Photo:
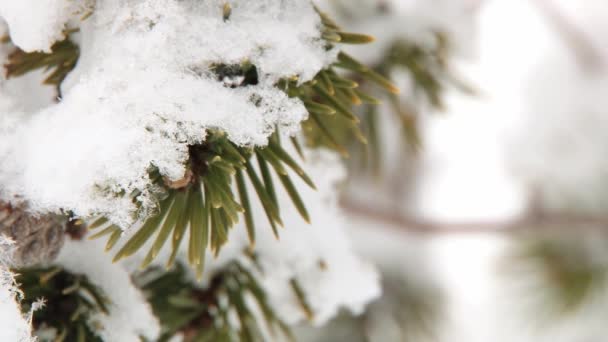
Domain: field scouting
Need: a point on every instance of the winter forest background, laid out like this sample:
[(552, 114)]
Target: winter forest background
[(473, 212), (508, 172)]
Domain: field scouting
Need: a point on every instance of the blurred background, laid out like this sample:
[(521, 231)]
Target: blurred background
[(481, 195)]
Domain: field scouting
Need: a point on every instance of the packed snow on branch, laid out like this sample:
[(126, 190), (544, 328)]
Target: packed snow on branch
[(37, 24), (130, 316), (144, 88)]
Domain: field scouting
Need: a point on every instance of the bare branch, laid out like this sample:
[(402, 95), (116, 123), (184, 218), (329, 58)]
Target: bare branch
[(588, 56), (544, 222)]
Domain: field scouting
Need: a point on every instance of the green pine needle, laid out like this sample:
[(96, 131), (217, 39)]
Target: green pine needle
[(70, 302), (565, 272), (245, 202), (301, 297), (60, 61), (208, 206), (354, 38), (202, 314)]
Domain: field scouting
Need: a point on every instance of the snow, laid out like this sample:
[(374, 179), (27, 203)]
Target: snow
[(345, 281), (36, 24), (130, 315), (14, 326), (143, 90)]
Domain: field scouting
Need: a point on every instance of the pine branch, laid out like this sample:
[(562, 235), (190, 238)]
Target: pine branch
[(205, 202), (563, 271), (330, 97), (206, 314), (431, 76), (70, 301), (59, 62), (555, 222)]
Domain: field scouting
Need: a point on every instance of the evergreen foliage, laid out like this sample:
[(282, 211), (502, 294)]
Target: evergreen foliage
[(205, 200), (58, 63), (565, 271), (233, 307), (431, 76), (210, 199), (69, 302)]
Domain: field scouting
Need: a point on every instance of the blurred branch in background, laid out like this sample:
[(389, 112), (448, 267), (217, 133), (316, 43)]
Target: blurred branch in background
[(408, 310), (556, 276), (417, 57), (588, 56), (557, 259), (531, 221), (423, 72)]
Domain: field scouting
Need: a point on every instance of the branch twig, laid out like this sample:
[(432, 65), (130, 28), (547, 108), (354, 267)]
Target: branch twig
[(588, 56), (536, 222)]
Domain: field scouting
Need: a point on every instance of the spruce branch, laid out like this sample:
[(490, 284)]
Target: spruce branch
[(331, 97), (207, 314), (564, 271), (213, 195), (207, 206), (431, 75), (205, 203), (70, 301), (59, 62)]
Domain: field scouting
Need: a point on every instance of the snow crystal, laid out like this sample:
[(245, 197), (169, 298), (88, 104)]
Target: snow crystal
[(130, 315), (144, 89), (14, 326)]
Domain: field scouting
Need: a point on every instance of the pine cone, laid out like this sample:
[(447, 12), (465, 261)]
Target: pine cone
[(38, 239)]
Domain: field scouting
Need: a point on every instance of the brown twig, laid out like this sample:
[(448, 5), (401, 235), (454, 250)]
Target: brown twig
[(588, 55), (537, 222)]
